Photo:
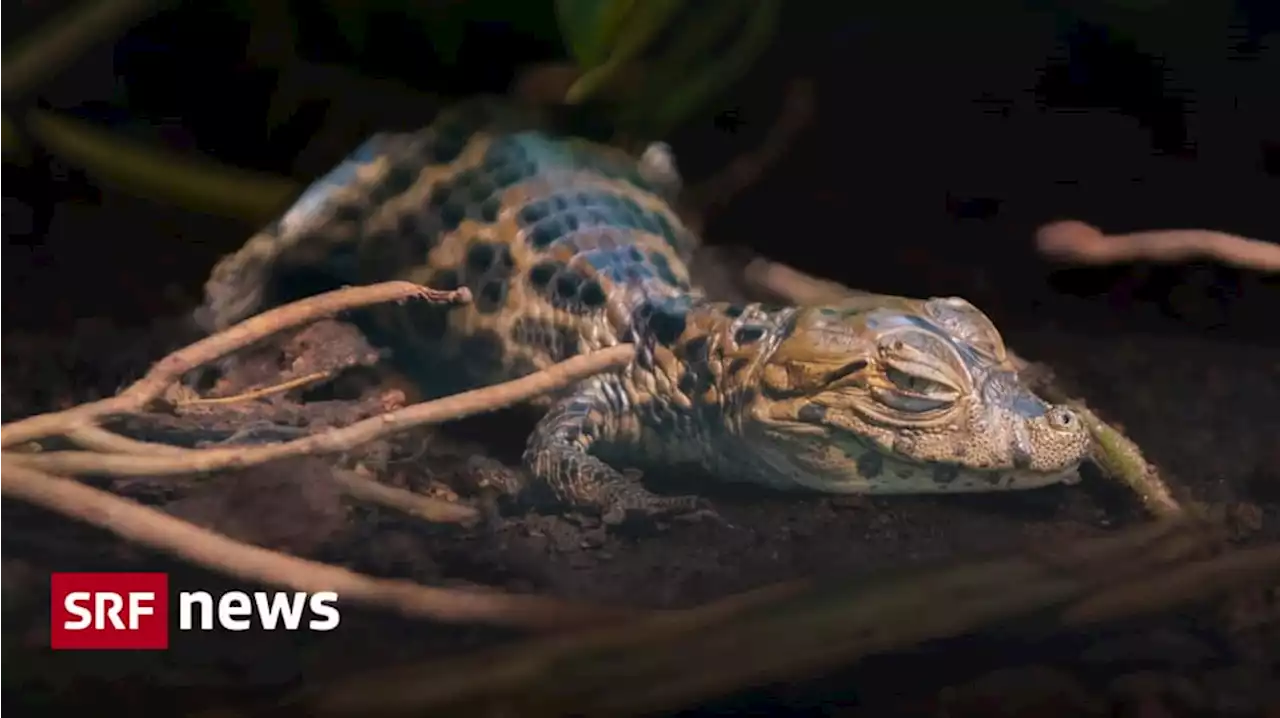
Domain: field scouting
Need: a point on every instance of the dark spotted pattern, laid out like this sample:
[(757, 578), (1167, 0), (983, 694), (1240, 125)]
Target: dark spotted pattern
[(475, 194), (663, 319), (541, 274), (591, 294), (628, 264), (620, 264), (560, 341), (491, 296), (566, 287), (446, 141), (688, 383), (430, 322), (446, 279), (546, 154), (944, 474), (870, 465), (812, 413), (665, 272), (694, 351), (594, 230), (1021, 459), (696, 380), (568, 229), (484, 352), (401, 174), (551, 219), (487, 271), (324, 205)]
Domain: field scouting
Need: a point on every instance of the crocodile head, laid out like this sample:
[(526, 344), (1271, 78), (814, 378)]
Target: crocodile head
[(893, 395)]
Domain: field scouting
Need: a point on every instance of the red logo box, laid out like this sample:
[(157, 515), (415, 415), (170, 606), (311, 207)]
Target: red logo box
[(110, 611)]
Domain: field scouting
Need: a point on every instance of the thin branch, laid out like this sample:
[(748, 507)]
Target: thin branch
[(28, 475), (92, 436), (346, 438), (1116, 454), (1081, 243), (217, 552), (258, 393), (424, 507), (672, 660), (98, 439), (1167, 589), (168, 370), (795, 286)]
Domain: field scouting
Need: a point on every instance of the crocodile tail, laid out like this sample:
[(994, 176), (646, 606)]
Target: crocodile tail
[(319, 233), (314, 245)]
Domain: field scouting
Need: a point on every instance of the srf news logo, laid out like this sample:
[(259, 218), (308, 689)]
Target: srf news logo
[(130, 611)]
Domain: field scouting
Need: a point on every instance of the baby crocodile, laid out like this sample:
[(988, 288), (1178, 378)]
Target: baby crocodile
[(569, 246)]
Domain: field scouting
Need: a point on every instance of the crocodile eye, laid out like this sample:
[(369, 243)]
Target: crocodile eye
[(915, 384), (915, 394)]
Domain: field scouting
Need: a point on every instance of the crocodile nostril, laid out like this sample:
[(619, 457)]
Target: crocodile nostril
[(1063, 418)]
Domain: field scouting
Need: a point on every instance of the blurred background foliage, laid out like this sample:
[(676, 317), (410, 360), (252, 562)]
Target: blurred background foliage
[(648, 65)]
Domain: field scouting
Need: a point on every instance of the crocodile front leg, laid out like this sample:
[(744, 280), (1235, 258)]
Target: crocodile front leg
[(558, 456)]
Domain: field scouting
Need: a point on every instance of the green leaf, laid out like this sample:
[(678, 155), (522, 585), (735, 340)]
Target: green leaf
[(641, 25), (721, 72), (589, 27), (194, 183), (693, 46), (352, 19)]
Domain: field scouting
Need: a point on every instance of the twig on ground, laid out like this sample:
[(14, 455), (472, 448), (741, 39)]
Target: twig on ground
[(793, 285), (168, 370), (1077, 242), (92, 436), (335, 440), (1115, 454), (673, 660), (258, 393), (202, 547), (425, 507), (38, 476)]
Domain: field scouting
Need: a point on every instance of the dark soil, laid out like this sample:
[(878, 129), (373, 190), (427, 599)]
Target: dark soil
[(1193, 403)]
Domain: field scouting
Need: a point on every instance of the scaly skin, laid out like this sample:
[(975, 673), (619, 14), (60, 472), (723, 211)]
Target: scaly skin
[(569, 247)]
